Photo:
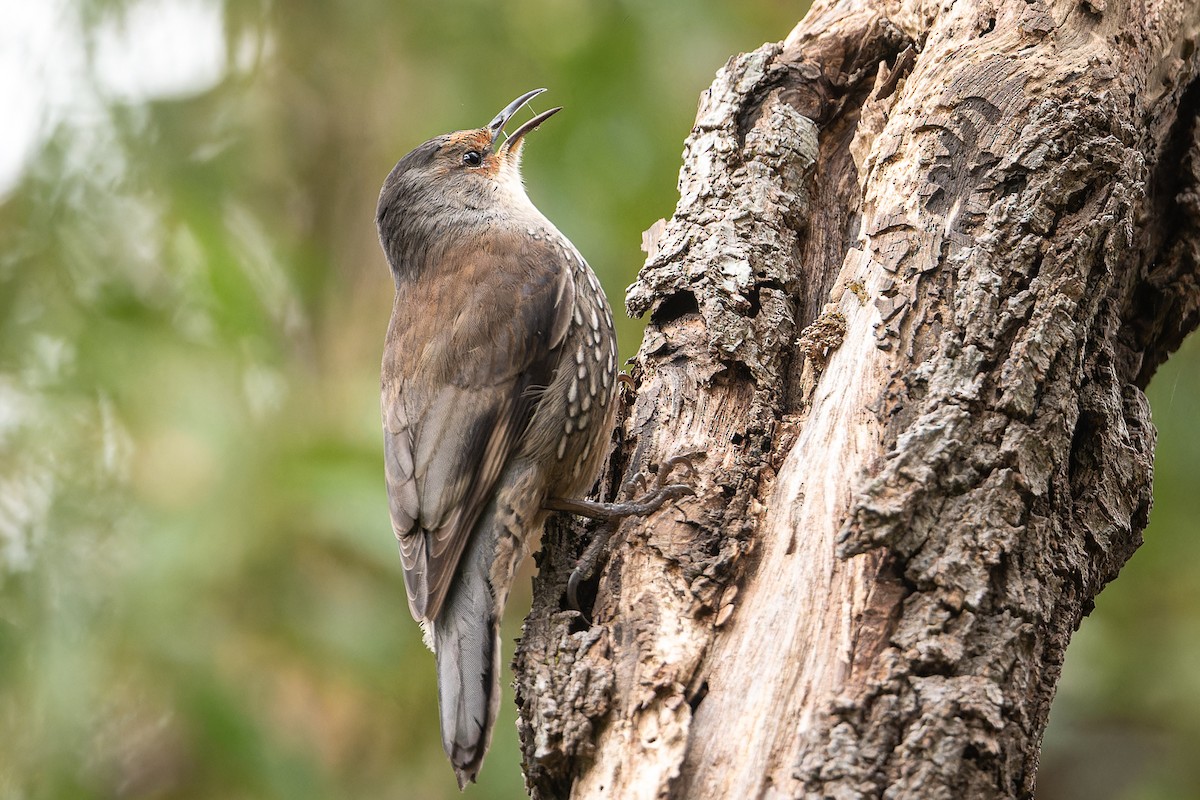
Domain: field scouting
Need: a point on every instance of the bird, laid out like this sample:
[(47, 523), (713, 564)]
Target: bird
[(498, 394)]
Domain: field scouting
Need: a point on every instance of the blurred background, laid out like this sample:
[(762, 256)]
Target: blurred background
[(200, 596)]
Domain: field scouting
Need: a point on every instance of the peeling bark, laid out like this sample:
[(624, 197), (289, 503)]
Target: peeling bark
[(925, 259)]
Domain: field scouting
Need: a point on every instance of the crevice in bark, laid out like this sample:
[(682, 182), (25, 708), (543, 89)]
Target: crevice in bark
[(1169, 293), (679, 304)]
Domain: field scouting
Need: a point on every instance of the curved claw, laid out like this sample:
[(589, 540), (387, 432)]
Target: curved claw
[(573, 589), (670, 492), (626, 388), (639, 502), (670, 464), (634, 486)]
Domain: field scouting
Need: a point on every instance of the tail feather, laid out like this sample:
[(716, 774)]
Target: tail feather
[(466, 638)]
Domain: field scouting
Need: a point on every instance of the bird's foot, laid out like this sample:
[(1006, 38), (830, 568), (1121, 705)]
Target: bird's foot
[(626, 382), (646, 501)]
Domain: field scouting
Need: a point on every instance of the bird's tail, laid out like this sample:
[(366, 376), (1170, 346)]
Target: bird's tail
[(466, 639)]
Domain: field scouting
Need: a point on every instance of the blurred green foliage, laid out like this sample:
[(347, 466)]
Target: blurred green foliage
[(199, 592)]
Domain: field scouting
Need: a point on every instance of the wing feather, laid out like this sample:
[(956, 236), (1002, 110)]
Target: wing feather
[(458, 394)]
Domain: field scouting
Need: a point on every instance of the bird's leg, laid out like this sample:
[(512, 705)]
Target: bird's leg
[(649, 501), (644, 504), (586, 565)]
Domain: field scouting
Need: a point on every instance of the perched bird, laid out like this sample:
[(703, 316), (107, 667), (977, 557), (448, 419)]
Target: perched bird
[(498, 395)]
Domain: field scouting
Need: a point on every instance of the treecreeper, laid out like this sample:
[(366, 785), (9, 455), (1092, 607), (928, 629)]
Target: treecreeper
[(499, 390)]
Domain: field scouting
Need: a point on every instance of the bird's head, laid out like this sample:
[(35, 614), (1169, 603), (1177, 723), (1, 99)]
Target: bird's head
[(472, 170)]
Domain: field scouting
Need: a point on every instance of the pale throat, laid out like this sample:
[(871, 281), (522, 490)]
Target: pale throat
[(512, 188)]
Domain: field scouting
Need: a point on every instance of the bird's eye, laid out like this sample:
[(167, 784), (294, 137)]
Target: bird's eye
[(472, 158)]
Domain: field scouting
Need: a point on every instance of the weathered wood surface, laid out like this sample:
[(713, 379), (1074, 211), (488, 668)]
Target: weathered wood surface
[(925, 259)]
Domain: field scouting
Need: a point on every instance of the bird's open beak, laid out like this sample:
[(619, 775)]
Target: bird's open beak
[(497, 124)]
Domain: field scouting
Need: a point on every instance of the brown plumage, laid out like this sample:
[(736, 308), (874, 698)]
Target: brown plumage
[(498, 393)]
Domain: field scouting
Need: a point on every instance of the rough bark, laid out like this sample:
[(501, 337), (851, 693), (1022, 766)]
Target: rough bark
[(925, 259)]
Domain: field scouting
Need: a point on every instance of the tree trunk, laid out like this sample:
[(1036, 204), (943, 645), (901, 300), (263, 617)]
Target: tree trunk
[(925, 259)]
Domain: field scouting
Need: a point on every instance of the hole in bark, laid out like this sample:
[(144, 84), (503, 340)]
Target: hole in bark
[(755, 302), (1082, 469), (755, 295), (677, 305), (698, 697), (991, 26), (585, 595), (1014, 183), (1076, 201), (736, 372), (579, 624), (710, 546)]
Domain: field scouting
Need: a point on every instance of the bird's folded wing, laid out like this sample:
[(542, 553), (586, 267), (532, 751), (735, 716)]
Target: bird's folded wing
[(469, 350)]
